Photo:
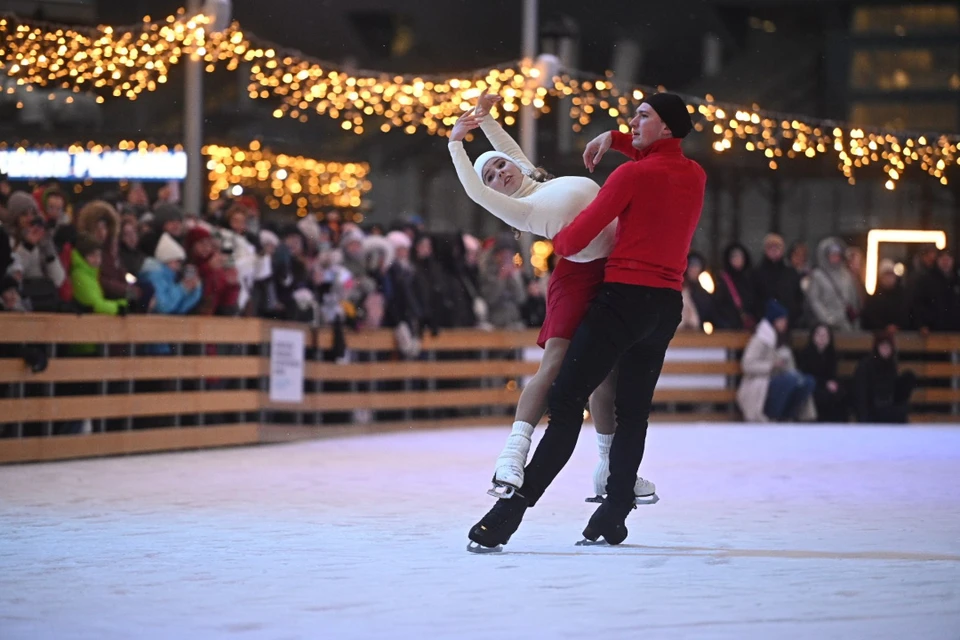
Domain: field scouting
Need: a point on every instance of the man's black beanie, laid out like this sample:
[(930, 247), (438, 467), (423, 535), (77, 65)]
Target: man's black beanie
[(672, 110)]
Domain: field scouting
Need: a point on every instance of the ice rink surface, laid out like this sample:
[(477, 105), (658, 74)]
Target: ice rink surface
[(761, 532)]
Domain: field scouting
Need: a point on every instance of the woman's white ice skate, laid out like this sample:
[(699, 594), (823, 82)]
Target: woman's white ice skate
[(645, 491), (508, 475)]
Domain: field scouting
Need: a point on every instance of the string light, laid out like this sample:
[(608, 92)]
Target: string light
[(287, 180), (305, 183), (124, 62)]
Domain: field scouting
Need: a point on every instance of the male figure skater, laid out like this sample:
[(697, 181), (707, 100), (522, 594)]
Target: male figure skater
[(657, 198)]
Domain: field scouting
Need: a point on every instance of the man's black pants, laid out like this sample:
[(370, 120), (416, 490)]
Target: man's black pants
[(627, 324)]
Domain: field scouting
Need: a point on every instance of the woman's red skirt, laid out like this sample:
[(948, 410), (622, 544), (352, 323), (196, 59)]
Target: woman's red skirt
[(569, 294)]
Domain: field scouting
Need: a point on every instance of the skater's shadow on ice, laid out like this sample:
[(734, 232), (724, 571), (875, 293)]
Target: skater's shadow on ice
[(716, 553)]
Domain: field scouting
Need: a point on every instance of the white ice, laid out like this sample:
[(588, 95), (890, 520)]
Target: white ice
[(761, 532)]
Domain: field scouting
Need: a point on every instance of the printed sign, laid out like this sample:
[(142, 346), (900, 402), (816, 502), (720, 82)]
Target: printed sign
[(286, 365)]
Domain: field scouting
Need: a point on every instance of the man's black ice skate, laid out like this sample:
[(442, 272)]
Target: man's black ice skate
[(495, 528), (608, 522)]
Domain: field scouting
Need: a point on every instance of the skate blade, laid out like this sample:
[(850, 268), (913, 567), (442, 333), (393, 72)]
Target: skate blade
[(504, 491), (473, 547), (592, 543), (650, 499)]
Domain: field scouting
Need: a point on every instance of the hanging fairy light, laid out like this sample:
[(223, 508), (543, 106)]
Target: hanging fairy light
[(124, 62), (286, 180), (283, 180)]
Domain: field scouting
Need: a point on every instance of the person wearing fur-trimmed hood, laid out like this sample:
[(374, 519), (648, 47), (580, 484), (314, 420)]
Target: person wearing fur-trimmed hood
[(772, 389)]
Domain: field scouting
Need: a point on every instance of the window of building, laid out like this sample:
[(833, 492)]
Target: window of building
[(906, 20), (912, 116), (915, 69)]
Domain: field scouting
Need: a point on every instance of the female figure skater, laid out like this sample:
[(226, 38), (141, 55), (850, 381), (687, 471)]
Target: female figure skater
[(506, 184)]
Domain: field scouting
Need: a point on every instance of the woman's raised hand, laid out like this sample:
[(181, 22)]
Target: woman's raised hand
[(486, 102), (465, 124)]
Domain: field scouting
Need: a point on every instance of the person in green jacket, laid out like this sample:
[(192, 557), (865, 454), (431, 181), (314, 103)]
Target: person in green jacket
[(85, 274)]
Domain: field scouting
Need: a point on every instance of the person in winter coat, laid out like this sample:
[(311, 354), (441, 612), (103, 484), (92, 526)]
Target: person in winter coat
[(936, 302), (772, 389), (733, 303), (131, 258), (695, 293), (172, 297), (880, 393), (888, 308), (86, 260), (774, 279), (220, 291), (819, 359), (833, 295), (43, 272), (501, 285), (292, 275), (10, 299), (100, 221), (404, 304), (167, 219), (6, 252), (404, 309)]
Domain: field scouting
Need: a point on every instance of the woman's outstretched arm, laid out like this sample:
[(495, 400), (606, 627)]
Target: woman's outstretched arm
[(499, 138), (514, 212)]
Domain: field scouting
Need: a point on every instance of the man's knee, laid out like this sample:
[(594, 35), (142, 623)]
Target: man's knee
[(562, 398)]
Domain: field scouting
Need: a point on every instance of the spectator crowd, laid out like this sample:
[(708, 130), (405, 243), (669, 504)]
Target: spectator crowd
[(124, 255), (830, 292)]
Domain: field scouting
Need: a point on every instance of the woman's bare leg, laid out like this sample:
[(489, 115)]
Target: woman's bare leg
[(533, 400), (602, 405), (530, 408)]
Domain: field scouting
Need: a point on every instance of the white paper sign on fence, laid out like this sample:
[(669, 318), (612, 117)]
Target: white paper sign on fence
[(286, 365)]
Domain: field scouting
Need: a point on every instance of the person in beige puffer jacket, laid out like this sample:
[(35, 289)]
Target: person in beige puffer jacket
[(772, 389), (833, 296)]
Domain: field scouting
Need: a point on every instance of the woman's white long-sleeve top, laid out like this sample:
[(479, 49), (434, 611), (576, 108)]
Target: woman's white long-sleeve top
[(542, 208)]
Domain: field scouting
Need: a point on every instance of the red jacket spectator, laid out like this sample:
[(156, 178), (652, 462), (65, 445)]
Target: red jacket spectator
[(220, 291)]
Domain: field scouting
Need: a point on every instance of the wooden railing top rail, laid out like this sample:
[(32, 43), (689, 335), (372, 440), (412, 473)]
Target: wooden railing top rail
[(100, 329), (62, 328)]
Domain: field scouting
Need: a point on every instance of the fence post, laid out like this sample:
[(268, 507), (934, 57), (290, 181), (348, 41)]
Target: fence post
[(485, 410), (178, 384), (128, 421), (955, 379), (431, 381)]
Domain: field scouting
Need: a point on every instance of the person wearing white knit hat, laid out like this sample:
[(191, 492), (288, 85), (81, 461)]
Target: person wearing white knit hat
[(399, 240), (161, 271), (506, 183), (170, 252)]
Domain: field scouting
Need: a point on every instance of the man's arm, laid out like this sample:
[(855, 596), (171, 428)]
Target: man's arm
[(623, 142), (613, 199)]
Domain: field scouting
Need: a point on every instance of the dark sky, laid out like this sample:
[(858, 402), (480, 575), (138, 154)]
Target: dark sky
[(451, 35)]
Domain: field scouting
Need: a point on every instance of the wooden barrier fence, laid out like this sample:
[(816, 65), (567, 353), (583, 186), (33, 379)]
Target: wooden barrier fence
[(109, 389)]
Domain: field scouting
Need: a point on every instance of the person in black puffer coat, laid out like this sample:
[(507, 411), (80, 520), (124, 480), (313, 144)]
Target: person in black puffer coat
[(819, 359), (774, 279), (936, 301), (733, 300), (880, 393), (888, 308)]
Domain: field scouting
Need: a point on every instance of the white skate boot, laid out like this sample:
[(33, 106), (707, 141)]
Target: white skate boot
[(645, 491), (508, 475)]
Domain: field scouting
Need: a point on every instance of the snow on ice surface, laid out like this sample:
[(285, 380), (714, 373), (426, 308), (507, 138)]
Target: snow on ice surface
[(761, 532)]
